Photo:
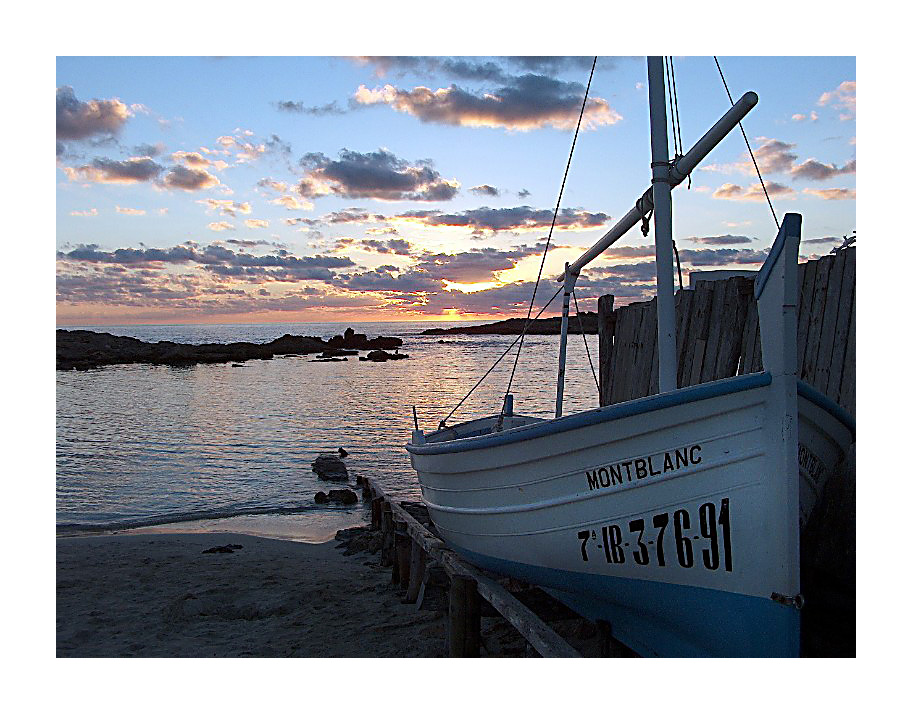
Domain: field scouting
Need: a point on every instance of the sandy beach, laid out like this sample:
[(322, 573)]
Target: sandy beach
[(159, 595)]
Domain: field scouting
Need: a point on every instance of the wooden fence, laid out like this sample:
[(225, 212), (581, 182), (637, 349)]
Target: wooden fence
[(718, 334)]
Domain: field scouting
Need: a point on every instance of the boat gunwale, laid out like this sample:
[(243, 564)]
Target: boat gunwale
[(818, 398), (650, 403)]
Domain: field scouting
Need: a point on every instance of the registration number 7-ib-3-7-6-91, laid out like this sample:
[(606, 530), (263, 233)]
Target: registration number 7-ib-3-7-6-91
[(648, 546)]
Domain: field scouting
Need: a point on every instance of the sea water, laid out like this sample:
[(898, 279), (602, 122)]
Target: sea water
[(219, 447)]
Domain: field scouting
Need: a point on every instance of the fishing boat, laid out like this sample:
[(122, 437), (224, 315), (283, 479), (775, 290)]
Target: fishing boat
[(675, 517)]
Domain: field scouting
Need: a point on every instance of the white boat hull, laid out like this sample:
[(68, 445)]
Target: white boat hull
[(666, 523), (674, 517)]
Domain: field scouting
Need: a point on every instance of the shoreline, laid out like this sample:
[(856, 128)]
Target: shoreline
[(308, 527)]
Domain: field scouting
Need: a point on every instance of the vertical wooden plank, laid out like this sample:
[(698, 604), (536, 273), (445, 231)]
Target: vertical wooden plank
[(841, 331), (622, 317), (848, 382), (804, 309), (757, 358), (829, 323), (683, 318), (649, 369), (630, 362), (733, 319), (819, 298), (626, 383), (606, 325), (713, 332), (697, 333), (749, 335)]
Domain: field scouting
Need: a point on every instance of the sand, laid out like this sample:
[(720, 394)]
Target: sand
[(158, 595)]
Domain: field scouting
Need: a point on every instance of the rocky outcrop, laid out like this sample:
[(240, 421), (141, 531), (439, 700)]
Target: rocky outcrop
[(383, 356), (360, 539), (84, 349), (337, 496), (514, 326), (330, 468)]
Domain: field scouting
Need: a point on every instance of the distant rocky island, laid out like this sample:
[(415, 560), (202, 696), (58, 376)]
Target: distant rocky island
[(84, 349), (514, 326)]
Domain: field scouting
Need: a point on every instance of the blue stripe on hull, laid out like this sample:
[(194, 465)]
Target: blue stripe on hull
[(664, 619)]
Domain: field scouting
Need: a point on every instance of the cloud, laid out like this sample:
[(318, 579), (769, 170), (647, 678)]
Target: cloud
[(842, 98), (725, 240), (130, 212), (477, 69), (518, 218), (314, 111), (823, 239), (816, 171), (278, 186), (527, 102), (220, 226), (150, 150), (256, 223), (226, 206), (112, 171), (80, 120), (156, 295), (755, 192), (406, 283), (485, 190), (477, 265), (196, 160), (376, 175), (279, 265), (775, 155), (181, 177), (721, 256), (87, 212), (293, 203), (523, 193), (812, 116), (832, 194), (397, 246)]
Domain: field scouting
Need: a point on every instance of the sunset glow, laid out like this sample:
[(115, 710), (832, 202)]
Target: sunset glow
[(413, 188)]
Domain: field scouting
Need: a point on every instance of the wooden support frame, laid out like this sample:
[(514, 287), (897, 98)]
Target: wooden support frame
[(464, 604)]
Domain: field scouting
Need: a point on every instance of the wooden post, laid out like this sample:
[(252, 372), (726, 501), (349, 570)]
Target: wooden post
[(465, 618), (376, 522), (403, 546), (416, 571), (606, 324), (386, 551)]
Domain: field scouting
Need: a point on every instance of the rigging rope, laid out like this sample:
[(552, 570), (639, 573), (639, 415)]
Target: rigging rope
[(583, 333), (750, 152), (443, 422), (679, 148), (548, 240)]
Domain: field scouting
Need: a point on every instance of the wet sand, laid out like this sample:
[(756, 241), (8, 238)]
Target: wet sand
[(159, 595)]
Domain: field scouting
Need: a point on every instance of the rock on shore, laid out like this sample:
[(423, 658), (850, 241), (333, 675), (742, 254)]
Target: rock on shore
[(514, 326), (83, 349)]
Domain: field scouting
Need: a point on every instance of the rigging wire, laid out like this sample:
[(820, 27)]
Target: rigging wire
[(443, 422), (583, 333), (551, 229), (750, 152), (679, 148)]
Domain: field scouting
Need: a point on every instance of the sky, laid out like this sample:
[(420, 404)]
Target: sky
[(282, 189)]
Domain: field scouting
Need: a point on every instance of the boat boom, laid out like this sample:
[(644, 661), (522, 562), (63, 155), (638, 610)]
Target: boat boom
[(680, 170)]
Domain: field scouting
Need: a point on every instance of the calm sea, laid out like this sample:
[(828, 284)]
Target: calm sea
[(220, 447)]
